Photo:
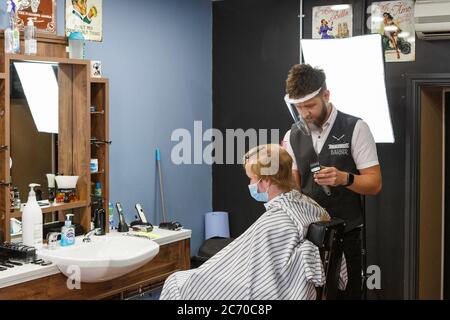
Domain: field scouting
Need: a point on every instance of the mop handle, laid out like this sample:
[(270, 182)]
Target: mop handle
[(163, 205)]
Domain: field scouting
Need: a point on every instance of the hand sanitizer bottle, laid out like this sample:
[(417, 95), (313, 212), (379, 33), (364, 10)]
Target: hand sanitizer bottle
[(32, 232), (9, 32), (15, 29), (30, 38), (68, 232)]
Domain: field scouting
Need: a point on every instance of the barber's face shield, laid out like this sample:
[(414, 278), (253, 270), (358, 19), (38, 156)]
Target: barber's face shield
[(299, 121)]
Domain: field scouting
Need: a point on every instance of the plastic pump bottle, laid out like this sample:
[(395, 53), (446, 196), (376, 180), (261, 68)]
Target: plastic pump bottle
[(32, 232), (68, 232), (12, 34), (30, 38)]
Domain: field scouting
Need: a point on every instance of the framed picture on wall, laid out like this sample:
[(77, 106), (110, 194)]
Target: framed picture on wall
[(394, 20), (43, 13), (332, 22), (85, 16)]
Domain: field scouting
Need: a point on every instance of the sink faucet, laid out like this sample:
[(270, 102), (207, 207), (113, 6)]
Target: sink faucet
[(52, 239), (87, 237)]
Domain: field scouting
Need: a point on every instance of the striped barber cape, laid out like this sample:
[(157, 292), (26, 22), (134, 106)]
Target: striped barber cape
[(272, 260)]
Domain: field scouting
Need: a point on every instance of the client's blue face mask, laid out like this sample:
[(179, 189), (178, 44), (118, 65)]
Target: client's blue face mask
[(258, 196)]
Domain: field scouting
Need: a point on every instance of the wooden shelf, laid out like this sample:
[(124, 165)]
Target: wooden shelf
[(2, 75), (55, 208), (99, 80), (26, 58), (100, 150)]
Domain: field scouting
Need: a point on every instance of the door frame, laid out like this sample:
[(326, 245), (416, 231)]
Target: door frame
[(415, 83)]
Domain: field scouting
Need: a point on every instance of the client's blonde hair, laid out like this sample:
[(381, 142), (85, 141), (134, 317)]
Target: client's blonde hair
[(273, 162)]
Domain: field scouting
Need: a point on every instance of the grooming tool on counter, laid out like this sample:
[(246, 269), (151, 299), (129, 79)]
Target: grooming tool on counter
[(141, 213), (123, 227), (15, 263), (41, 262), (141, 223), (165, 224), (141, 228), (174, 226), (6, 264), (17, 252)]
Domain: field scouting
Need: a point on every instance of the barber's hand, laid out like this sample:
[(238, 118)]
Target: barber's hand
[(330, 177)]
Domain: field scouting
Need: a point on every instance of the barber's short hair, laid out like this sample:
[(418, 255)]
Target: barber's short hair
[(303, 79), (264, 156)]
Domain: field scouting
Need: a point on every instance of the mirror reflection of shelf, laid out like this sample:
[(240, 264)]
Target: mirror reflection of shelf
[(98, 172), (54, 208)]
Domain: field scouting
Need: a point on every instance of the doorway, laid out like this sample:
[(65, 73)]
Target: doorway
[(447, 197), (432, 193), (426, 240)]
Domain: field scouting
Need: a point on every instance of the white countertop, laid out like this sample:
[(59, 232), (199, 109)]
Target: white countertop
[(29, 272)]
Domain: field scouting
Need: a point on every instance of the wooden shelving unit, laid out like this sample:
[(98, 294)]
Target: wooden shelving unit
[(99, 88), (78, 91), (55, 208), (4, 158)]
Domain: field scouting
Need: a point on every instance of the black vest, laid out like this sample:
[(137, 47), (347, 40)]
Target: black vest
[(336, 152)]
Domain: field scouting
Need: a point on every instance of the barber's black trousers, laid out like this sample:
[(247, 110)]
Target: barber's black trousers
[(352, 253)]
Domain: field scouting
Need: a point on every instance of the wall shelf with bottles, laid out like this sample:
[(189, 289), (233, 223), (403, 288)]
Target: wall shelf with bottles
[(100, 143)]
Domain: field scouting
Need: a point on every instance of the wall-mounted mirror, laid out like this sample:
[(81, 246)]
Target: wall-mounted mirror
[(34, 124)]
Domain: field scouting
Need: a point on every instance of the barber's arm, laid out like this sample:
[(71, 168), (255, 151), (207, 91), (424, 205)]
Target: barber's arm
[(364, 152), (368, 182)]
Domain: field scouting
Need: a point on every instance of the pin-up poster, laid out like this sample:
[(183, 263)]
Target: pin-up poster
[(41, 11), (394, 20), (85, 16), (332, 22)]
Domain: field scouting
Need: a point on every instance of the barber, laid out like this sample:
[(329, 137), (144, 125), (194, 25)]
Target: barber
[(346, 151)]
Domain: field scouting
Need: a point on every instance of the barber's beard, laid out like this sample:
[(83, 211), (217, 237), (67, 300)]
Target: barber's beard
[(323, 115)]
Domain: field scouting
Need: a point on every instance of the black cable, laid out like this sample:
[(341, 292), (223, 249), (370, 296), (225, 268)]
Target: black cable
[(364, 250)]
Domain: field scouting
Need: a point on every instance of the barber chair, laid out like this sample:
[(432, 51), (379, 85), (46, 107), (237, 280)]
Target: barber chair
[(329, 237)]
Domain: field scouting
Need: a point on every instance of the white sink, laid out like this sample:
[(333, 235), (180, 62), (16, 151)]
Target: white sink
[(104, 258)]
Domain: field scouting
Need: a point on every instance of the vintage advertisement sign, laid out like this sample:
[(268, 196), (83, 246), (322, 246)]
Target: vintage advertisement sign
[(43, 13), (394, 20), (332, 22), (85, 16)]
